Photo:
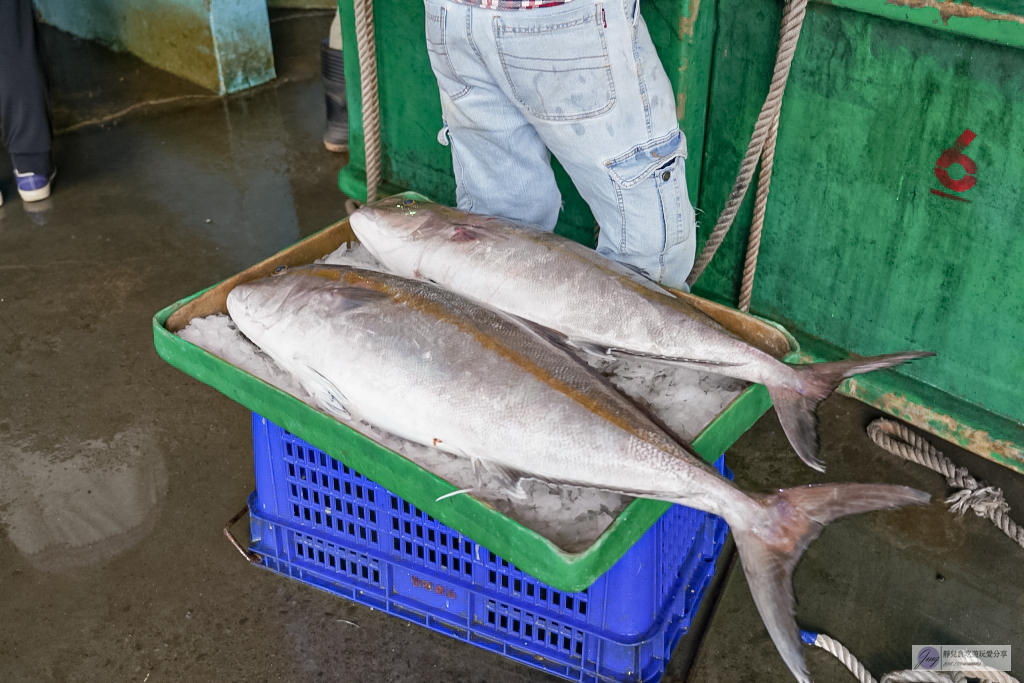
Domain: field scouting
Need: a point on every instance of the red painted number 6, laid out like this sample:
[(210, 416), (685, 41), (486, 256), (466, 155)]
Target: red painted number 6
[(955, 155)]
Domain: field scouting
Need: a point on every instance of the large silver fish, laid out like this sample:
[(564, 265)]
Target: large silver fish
[(438, 369), (599, 304)]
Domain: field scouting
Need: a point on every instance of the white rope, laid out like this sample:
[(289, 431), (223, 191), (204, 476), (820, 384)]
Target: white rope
[(986, 501), (917, 676), (367, 47), (767, 124), (839, 651)]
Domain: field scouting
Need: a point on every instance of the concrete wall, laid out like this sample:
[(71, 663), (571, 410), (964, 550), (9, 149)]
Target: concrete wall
[(223, 45)]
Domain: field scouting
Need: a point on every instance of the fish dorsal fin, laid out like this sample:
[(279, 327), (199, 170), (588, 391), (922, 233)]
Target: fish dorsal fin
[(553, 336), (634, 273), (636, 269)]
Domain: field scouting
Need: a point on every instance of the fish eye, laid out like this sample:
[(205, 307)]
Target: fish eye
[(280, 269), (408, 202)]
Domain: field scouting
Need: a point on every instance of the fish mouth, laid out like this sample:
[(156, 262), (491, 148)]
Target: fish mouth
[(383, 230), (364, 225), (365, 213), (239, 304)]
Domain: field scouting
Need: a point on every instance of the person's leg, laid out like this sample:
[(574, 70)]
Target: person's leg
[(502, 167), (587, 77), (334, 37), (332, 70), (23, 110)]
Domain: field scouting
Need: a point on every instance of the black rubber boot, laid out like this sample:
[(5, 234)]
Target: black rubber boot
[(332, 68)]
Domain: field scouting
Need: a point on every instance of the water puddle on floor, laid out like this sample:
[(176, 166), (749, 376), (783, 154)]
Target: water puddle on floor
[(83, 502)]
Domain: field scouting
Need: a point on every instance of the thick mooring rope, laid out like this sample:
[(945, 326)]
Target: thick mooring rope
[(366, 44), (839, 651), (767, 122), (764, 183), (986, 501)]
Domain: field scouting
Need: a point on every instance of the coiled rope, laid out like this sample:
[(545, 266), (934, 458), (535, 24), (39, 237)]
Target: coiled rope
[(762, 146), (986, 501), (367, 47)]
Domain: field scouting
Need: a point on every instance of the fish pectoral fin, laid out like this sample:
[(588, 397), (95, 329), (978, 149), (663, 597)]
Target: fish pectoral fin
[(350, 298), (326, 394), (670, 360), (508, 480), (455, 232), (463, 232), (511, 482)]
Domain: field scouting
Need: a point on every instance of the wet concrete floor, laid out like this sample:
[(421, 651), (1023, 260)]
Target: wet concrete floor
[(118, 471)]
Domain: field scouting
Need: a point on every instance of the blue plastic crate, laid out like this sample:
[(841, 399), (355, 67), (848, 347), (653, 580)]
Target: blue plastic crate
[(318, 521)]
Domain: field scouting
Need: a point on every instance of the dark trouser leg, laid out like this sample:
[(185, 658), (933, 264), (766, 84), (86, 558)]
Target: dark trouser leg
[(332, 67), (23, 112)]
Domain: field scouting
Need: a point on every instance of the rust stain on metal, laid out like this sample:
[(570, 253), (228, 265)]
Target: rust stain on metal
[(961, 10), (686, 22), (943, 426)]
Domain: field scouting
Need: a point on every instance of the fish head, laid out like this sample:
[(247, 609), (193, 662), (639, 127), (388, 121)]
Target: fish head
[(260, 305), (391, 230)]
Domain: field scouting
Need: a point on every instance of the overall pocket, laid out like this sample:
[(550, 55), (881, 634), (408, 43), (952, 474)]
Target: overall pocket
[(650, 186), (557, 66), (437, 50)]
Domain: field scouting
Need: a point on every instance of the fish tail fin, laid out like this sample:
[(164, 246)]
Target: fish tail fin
[(797, 405), (770, 549)]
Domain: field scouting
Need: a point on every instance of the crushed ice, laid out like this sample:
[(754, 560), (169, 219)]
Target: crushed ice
[(570, 517)]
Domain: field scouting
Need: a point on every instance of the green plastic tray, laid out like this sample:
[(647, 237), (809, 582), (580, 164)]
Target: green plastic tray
[(523, 547)]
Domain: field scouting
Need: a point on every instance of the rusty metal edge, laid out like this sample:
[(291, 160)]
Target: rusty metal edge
[(961, 18), (943, 424)]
